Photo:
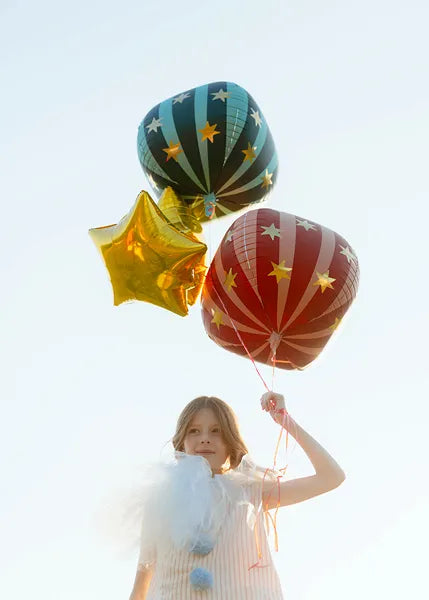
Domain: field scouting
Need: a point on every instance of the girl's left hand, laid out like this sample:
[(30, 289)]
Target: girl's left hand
[(274, 404)]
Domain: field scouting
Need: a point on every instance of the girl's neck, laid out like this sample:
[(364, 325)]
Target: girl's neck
[(220, 471)]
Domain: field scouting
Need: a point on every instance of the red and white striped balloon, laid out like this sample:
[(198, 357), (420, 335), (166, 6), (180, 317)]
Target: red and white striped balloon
[(278, 287)]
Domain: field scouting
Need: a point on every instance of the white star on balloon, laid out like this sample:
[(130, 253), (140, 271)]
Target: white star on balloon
[(272, 231), (255, 115), (181, 98), (348, 254), (220, 95), (304, 223), (153, 126)]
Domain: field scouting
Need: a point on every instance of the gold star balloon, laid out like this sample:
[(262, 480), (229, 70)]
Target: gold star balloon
[(180, 215), (149, 259)]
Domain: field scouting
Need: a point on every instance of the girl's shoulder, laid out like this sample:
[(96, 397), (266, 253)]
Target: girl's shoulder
[(252, 479), (248, 472)]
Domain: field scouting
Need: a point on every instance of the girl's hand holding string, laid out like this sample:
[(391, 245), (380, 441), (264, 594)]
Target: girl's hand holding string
[(275, 404), (328, 475)]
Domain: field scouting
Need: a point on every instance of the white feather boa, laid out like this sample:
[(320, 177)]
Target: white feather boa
[(181, 500), (178, 500)]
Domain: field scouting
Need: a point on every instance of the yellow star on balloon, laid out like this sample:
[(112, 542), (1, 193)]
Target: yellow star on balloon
[(249, 153), (217, 318), (230, 280), (280, 271), (266, 179), (172, 151), (208, 132), (149, 259), (335, 324), (324, 281)]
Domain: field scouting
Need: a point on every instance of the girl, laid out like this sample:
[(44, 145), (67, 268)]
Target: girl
[(203, 530)]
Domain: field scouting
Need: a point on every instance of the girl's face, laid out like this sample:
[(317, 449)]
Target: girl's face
[(204, 438)]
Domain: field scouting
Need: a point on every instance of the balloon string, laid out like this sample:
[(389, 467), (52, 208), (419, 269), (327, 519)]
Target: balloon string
[(269, 519), (241, 340), (281, 428), (272, 378)]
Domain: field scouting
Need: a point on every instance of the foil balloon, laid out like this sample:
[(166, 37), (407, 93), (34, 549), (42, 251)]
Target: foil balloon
[(278, 287), (212, 145), (149, 259), (180, 215)]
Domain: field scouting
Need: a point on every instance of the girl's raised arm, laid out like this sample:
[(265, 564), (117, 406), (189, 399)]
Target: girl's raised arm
[(329, 474), (141, 583)]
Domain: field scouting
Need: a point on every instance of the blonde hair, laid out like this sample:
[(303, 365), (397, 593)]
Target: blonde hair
[(227, 421)]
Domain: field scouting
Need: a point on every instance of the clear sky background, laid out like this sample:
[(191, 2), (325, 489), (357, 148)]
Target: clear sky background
[(90, 391)]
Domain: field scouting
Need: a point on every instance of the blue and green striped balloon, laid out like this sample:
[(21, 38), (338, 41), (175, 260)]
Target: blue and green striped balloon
[(212, 145)]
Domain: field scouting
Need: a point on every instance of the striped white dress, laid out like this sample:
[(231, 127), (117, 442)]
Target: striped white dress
[(229, 563)]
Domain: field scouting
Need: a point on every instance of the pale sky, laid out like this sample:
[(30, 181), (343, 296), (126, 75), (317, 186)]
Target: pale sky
[(90, 391)]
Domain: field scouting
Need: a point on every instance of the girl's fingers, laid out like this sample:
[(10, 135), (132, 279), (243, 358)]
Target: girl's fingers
[(269, 401), (272, 403), (265, 403)]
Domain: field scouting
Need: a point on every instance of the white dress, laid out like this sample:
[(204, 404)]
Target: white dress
[(224, 512)]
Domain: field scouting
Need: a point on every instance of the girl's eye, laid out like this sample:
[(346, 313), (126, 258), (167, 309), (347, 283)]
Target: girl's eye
[(195, 430)]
